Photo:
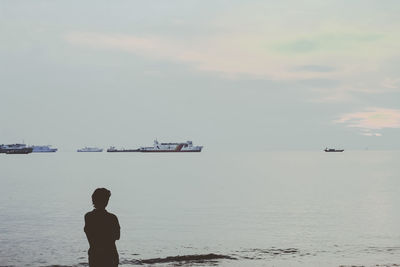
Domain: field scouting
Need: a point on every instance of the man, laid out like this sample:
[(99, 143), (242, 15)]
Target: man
[(102, 230)]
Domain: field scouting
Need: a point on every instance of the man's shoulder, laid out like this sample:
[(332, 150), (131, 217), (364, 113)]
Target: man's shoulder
[(113, 218), (112, 215), (89, 214), (94, 213)]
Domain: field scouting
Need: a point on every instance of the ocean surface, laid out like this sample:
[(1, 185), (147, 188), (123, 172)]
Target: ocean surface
[(211, 209)]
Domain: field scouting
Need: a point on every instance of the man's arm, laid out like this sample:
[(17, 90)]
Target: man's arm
[(116, 230), (87, 230)]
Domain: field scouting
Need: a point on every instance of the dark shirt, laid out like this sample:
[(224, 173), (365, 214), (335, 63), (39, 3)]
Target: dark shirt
[(102, 229)]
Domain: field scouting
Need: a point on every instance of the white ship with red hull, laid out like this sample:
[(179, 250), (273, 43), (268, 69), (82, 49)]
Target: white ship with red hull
[(171, 147)]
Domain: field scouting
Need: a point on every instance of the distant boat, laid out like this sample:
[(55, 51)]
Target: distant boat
[(333, 150), (43, 149), (90, 149), (15, 149), (113, 149)]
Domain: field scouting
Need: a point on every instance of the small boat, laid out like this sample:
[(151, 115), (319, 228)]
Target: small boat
[(43, 149), (333, 150), (90, 149)]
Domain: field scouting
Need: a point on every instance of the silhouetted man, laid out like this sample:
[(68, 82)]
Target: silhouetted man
[(102, 229)]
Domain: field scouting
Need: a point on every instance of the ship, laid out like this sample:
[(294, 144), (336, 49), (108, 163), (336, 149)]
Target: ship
[(43, 149), (333, 150), (162, 147), (15, 149), (113, 149), (90, 149), (171, 147)]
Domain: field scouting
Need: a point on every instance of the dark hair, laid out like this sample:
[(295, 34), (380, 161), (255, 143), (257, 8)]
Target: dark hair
[(100, 198)]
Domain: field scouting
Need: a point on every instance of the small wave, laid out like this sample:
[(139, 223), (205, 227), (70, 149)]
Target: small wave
[(182, 260), (258, 253), (275, 251), (375, 265), (382, 249), (76, 265)]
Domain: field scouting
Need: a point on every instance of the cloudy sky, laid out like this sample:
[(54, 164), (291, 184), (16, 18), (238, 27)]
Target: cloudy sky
[(230, 75)]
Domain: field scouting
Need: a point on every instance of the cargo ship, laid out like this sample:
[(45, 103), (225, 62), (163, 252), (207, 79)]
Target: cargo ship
[(171, 147), (333, 150)]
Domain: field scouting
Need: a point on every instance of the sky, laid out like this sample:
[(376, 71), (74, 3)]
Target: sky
[(230, 75)]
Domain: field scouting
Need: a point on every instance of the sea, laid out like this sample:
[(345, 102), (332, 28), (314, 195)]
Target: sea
[(273, 208)]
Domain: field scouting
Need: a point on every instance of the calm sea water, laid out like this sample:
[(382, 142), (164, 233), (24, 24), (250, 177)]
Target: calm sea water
[(263, 209)]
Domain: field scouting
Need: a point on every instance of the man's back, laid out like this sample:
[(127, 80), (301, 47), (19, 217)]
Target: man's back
[(102, 230)]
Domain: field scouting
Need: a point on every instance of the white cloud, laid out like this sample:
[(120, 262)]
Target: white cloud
[(371, 134), (391, 83)]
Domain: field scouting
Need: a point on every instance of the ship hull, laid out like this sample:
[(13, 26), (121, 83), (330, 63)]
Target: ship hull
[(169, 151), (162, 148), (150, 151), (19, 151), (122, 150)]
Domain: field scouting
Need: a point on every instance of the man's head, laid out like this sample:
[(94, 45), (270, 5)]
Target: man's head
[(100, 198)]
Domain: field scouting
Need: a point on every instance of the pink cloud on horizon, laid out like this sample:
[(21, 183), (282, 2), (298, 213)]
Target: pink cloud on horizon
[(372, 119), (229, 54), (235, 55)]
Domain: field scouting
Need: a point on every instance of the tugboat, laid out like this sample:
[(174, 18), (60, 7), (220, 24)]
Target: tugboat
[(90, 149), (171, 147), (15, 149), (333, 150)]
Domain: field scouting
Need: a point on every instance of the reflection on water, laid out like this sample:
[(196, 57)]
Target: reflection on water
[(250, 209)]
